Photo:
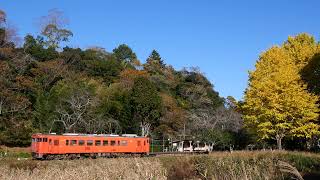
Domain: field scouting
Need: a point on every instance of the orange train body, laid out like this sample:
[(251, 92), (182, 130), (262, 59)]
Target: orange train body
[(48, 146)]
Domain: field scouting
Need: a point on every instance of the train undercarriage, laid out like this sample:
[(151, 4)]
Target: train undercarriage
[(38, 156)]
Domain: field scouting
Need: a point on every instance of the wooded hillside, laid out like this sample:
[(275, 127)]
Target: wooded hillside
[(49, 88)]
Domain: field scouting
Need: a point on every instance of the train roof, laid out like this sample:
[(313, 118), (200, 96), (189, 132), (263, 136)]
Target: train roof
[(93, 135)]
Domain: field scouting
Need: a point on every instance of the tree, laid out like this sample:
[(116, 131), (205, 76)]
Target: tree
[(71, 102), (52, 28), (172, 119), (55, 35), (160, 74), (124, 54), (3, 18), (197, 90), (15, 102), (276, 103), (301, 48), (146, 105), (8, 37), (311, 74), (127, 77), (11, 100), (108, 69), (35, 47), (155, 58)]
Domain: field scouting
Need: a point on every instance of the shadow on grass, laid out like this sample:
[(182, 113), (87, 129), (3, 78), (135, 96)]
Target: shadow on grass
[(312, 176)]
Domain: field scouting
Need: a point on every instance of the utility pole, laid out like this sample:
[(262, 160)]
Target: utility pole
[(184, 131), (162, 143)]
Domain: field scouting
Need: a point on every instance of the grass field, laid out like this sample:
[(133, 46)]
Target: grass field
[(219, 165)]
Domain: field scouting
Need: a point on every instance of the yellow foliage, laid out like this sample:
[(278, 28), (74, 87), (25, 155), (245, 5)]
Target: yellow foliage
[(276, 102), (301, 48)]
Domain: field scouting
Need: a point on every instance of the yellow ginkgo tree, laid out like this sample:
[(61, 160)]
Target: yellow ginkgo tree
[(276, 102), (301, 48)]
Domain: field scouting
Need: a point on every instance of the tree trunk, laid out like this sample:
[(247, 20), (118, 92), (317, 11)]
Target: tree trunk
[(279, 141)]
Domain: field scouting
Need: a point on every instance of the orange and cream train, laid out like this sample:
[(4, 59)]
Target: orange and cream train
[(69, 145)]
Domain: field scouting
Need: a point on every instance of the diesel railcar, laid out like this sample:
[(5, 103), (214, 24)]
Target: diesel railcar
[(69, 145)]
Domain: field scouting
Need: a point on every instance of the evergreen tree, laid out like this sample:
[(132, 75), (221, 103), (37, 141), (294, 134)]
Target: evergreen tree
[(156, 58)]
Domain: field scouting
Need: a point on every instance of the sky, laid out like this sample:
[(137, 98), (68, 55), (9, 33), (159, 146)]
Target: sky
[(222, 38)]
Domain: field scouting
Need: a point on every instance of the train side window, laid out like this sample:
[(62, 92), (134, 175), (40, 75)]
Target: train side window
[(113, 143), (89, 142), (144, 143), (139, 143), (39, 139), (50, 141), (45, 139), (147, 140), (97, 143), (56, 142), (33, 140), (73, 142), (105, 142), (81, 142), (67, 142), (124, 143), (118, 143)]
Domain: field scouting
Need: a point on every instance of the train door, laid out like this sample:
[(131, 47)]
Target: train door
[(89, 146), (38, 140), (113, 144), (139, 145), (45, 145), (144, 145), (50, 146), (54, 147)]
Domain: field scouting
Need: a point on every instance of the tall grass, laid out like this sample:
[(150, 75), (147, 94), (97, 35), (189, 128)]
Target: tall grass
[(216, 166), (133, 168), (242, 165)]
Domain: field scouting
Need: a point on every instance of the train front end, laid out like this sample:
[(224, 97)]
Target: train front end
[(39, 146)]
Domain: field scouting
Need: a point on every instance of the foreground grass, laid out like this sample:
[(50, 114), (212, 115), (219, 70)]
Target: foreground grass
[(243, 165), (135, 168), (219, 165)]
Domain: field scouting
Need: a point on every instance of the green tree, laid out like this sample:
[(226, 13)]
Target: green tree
[(155, 58), (311, 74), (35, 47), (276, 103), (146, 104), (124, 54)]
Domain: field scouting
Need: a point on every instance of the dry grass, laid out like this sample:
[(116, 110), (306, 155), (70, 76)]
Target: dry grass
[(135, 168), (219, 165), (249, 165)]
